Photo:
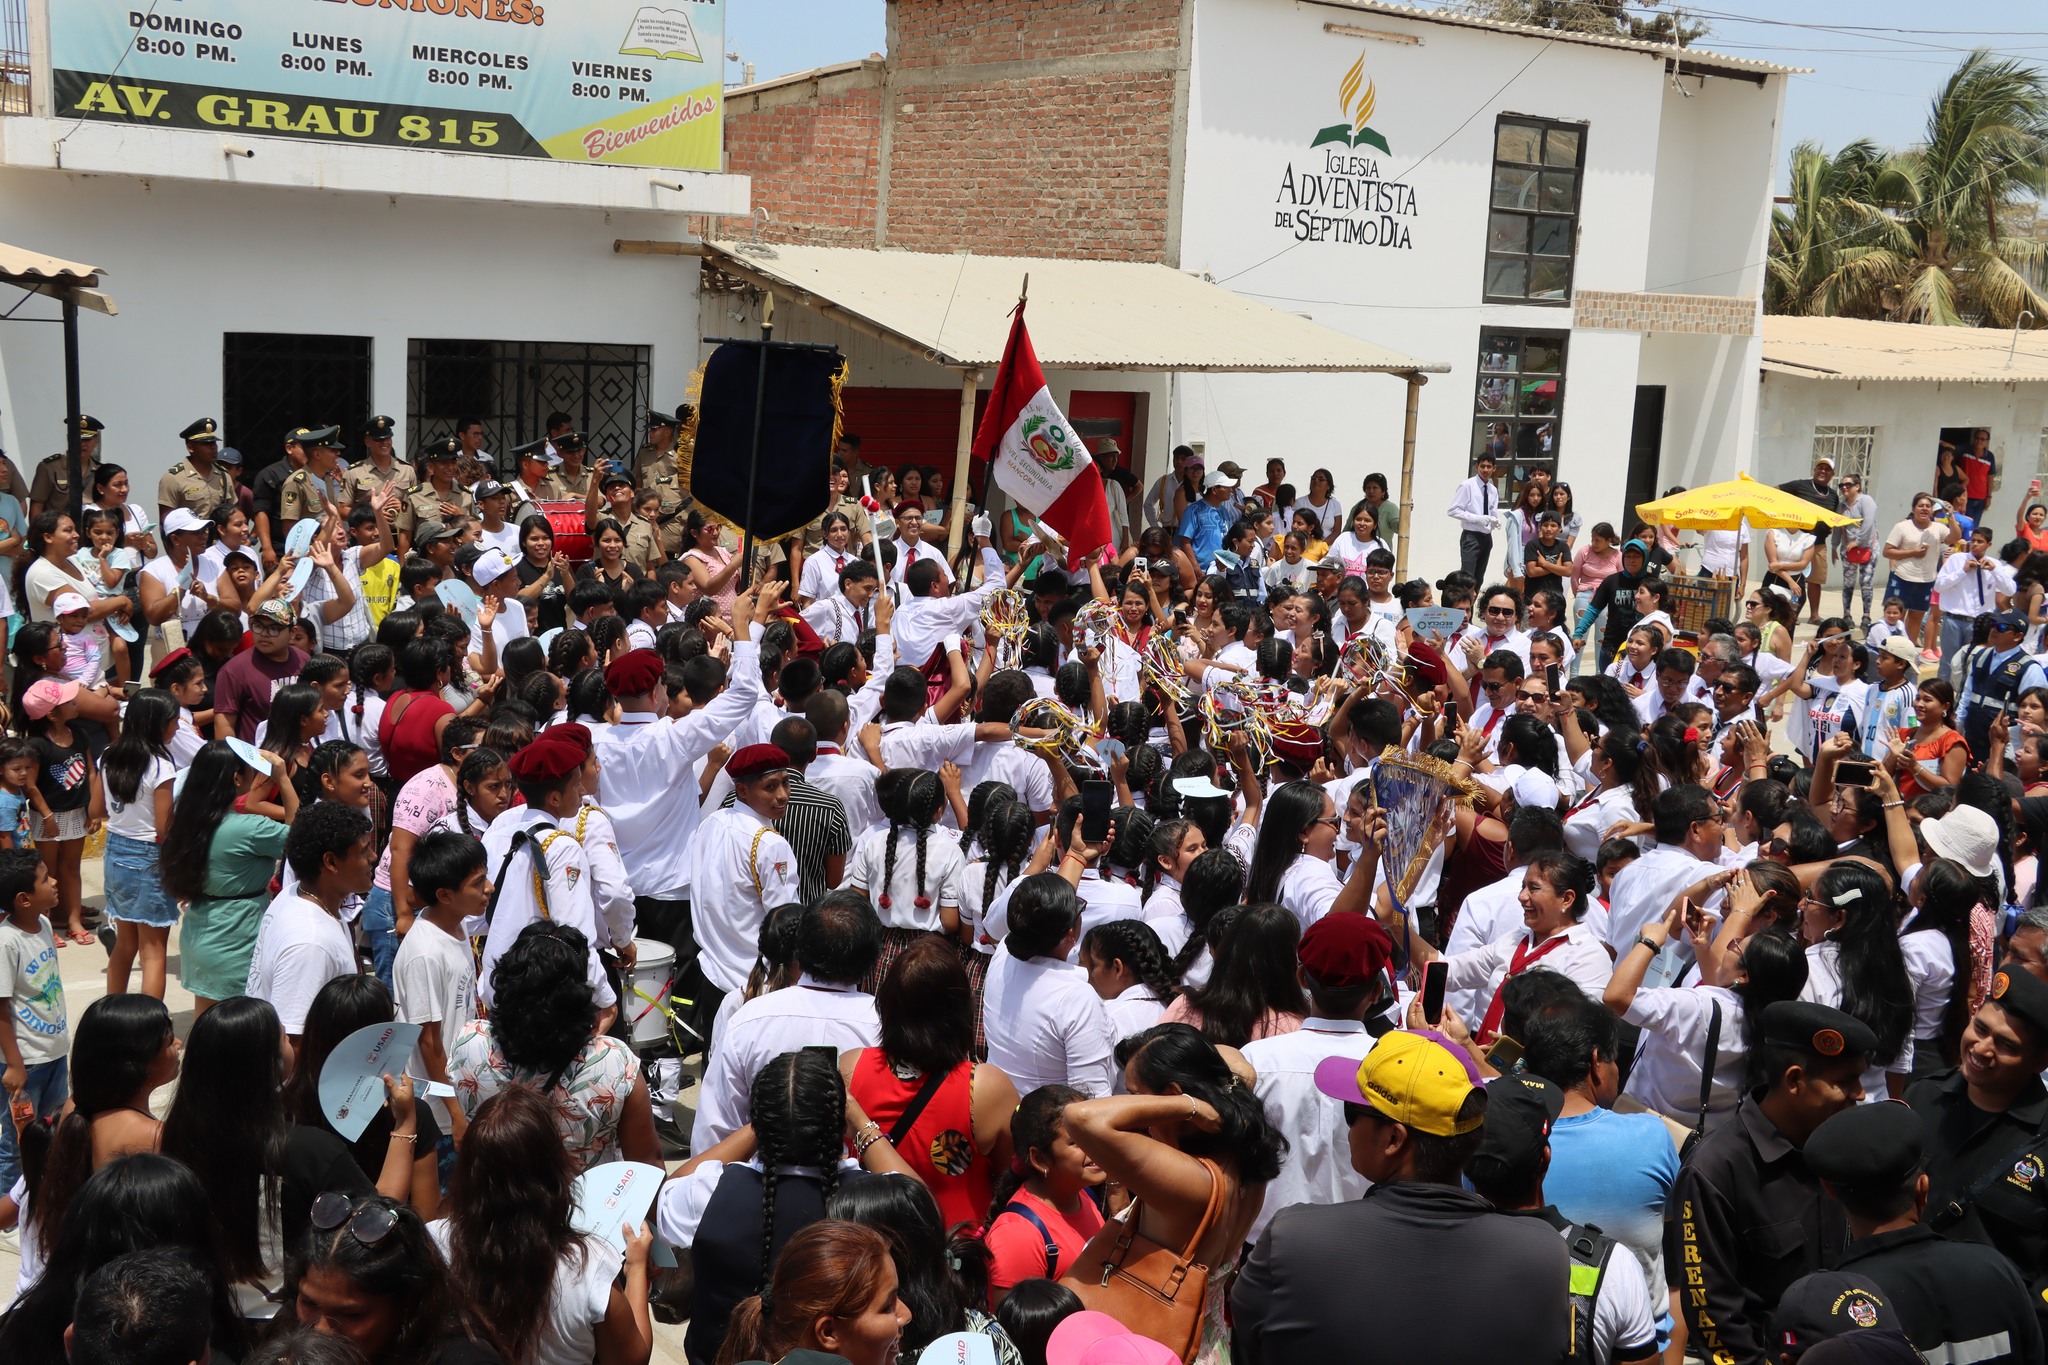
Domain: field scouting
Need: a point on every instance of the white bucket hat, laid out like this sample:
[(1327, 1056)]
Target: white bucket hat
[(1965, 835)]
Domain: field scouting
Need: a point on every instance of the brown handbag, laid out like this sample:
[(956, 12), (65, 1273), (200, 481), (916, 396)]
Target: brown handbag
[(1154, 1290)]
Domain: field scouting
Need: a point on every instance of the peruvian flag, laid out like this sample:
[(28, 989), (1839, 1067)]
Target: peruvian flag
[(1034, 454)]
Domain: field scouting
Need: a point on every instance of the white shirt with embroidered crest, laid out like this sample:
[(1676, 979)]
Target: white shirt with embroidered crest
[(564, 873), (612, 888), (812, 1013), (645, 759), (743, 869)]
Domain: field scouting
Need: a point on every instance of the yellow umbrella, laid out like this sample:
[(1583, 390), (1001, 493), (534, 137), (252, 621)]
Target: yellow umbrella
[(1723, 506)]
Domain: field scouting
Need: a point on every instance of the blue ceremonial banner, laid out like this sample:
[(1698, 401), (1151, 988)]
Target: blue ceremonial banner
[(618, 82)]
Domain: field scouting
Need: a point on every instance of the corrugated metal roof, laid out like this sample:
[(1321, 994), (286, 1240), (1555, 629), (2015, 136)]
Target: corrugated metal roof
[(1853, 349), (1691, 56), (1085, 315), (21, 263)]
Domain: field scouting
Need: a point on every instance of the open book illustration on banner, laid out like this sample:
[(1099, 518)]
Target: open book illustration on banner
[(660, 33)]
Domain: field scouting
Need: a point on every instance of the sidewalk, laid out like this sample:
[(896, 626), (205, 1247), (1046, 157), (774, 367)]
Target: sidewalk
[(84, 974)]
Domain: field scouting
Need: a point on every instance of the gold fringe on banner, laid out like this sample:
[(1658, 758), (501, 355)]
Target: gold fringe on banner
[(686, 442)]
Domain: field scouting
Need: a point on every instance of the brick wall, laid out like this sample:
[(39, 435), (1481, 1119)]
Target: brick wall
[(1032, 127), (1608, 310), (1012, 127), (813, 149), (927, 33)]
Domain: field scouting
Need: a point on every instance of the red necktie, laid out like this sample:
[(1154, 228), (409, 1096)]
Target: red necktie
[(1521, 961), (838, 563), (1491, 721)]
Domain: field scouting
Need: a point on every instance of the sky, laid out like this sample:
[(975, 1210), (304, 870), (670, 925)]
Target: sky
[(1877, 63)]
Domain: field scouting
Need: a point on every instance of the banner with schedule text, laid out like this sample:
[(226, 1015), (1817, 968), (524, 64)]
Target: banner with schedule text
[(615, 82)]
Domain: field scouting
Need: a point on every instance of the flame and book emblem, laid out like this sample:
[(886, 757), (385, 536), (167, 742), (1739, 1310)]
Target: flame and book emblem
[(1357, 97)]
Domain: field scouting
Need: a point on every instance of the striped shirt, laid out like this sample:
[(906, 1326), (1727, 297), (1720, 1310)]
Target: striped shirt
[(814, 823)]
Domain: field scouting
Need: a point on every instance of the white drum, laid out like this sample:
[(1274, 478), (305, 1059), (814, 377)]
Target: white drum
[(647, 993)]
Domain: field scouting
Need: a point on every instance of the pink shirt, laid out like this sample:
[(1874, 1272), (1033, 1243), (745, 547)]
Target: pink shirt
[(1590, 568), (1181, 1012), (420, 802)]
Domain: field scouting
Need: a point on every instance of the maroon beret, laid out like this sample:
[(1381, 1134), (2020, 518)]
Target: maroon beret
[(634, 674), (754, 761), (546, 760), (1345, 951), (907, 505), (569, 732)]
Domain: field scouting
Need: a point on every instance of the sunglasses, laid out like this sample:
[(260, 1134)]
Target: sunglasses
[(1500, 611), (1532, 696), (1493, 686), (368, 1223), (1354, 1112)]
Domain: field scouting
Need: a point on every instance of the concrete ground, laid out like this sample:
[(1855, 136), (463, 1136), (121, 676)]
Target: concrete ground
[(84, 974)]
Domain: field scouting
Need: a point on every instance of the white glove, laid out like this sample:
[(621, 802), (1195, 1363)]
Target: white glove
[(952, 643), (982, 525)]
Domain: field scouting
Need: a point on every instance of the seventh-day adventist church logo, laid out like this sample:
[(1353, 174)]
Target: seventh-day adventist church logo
[(1358, 97), (1337, 190)]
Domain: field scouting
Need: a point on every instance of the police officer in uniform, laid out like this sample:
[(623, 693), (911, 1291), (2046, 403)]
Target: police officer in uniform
[(1746, 1217), (437, 497), (51, 485), (196, 483), (1954, 1300), (382, 470), (536, 462), (311, 491), (572, 477), (1987, 1131), (654, 467), (269, 493), (1994, 679)]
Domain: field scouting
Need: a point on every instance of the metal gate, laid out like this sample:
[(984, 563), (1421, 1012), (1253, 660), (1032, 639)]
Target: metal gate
[(275, 381), (512, 386)]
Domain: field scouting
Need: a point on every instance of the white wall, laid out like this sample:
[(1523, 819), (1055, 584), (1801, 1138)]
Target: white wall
[(1265, 80), (187, 262), (1909, 418)]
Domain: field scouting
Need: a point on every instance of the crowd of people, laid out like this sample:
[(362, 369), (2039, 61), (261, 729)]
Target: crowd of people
[(1151, 952)]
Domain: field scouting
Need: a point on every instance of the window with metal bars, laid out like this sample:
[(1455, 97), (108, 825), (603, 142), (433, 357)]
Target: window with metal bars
[(513, 386), (1849, 448), (1533, 222)]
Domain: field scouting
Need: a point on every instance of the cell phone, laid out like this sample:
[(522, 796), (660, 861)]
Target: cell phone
[(1855, 773), (1433, 978), (1505, 1054), (1096, 799), (1553, 675)]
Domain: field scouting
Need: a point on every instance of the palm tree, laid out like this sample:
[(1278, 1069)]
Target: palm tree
[(1833, 202), (1914, 237)]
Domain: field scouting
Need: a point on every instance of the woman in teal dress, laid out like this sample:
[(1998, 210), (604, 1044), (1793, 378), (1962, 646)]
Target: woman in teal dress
[(227, 833)]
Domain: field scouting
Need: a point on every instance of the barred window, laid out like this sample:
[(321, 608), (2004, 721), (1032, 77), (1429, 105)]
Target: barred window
[(1850, 449)]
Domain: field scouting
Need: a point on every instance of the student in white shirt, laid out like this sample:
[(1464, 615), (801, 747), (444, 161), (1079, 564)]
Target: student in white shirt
[(1847, 925), (1344, 972), (538, 870), (1689, 852), (136, 773), (853, 606), (744, 869), (1677, 1020), (824, 565), (302, 943), (1476, 509), (1045, 1023), (838, 941), (908, 869), (1292, 862), (1557, 891), (433, 976), (1129, 969)]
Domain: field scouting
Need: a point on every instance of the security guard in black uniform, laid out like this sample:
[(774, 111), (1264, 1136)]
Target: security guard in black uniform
[(1994, 679), (1745, 1217), (1987, 1131), (1955, 1300)]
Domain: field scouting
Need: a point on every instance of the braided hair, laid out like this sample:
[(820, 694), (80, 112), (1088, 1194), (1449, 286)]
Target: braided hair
[(477, 764), (1146, 767), (798, 1102), (1214, 884), (1005, 839), (979, 802), (544, 692), (369, 663), (916, 804), (1135, 944), (1167, 837)]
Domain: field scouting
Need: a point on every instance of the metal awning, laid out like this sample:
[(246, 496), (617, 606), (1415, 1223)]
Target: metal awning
[(23, 265), (1085, 315), (1860, 350)]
